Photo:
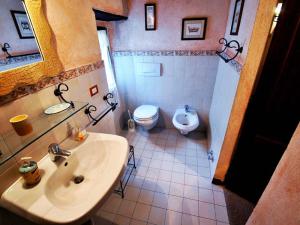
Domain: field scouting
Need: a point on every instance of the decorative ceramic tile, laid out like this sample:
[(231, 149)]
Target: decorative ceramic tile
[(165, 53)]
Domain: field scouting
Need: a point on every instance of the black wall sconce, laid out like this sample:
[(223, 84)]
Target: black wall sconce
[(62, 87), (5, 48), (232, 45), (93, 108)]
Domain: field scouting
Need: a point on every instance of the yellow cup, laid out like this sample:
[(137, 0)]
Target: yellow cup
[(21, 125)]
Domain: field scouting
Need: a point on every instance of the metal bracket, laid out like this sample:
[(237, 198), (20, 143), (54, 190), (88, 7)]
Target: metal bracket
[(59, 93), (93, 108), (232, 45)]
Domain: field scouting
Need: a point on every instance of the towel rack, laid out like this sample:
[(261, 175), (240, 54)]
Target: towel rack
[(92, 108), (232, 45)]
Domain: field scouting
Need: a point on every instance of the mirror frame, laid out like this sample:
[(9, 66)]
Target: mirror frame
[(51, 66)]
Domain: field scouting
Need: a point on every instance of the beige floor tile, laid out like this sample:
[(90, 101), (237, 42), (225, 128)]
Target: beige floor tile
[(221, 214), (191, 161), (176, 189), (191, 192), (206, 195), (221, 223), (137, 222), (177, 178), (144, 162), (141, 171), (132, 193), (191, 180), (168, 157), (190, 206), (112, 204), (122, 220), (149, 184), (126, 208), (165, 175), (203, 162), (219, 198), (141, 212), (192, 170), (179, 167), (160, 200), (155, 163), (167, 164), (146, 197), (207, 210), (175, 203), (106, 215), (152, 173), (204, 182), (204, 171), (173, 218), (157, 216), (188, 219), (205, 221), (162, 186)]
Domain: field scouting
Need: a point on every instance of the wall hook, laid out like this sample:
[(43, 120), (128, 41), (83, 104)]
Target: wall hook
[(5, 48), (107, 97), (232, 45), (62, 87)]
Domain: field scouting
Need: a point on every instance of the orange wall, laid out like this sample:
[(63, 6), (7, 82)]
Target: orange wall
[(280, 202), (74, 25), (131, 34)]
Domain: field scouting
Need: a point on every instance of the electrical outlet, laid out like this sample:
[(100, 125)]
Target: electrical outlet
[(94, 90)]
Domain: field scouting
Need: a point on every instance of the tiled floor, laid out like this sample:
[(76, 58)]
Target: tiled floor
[(172, 184)]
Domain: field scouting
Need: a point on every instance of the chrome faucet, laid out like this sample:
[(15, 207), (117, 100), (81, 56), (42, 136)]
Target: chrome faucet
[(186, 108), (56, 152)]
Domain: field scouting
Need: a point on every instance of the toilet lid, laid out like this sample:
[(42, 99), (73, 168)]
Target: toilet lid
[(145, 112)]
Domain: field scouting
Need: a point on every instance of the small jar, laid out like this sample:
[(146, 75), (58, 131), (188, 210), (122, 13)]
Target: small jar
[(30, 171)]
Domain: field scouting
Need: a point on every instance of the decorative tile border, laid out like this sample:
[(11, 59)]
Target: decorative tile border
[(235, 64), (47, 82), (165, 53)]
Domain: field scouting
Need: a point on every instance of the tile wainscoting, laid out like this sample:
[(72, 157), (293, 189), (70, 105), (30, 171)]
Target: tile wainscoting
[(187, 77)]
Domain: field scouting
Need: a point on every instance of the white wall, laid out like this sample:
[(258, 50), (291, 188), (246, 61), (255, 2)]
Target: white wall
[(224, 93), (185, 80), (227, 80)]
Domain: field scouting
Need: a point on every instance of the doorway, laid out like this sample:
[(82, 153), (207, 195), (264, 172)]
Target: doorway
[(273, 112)]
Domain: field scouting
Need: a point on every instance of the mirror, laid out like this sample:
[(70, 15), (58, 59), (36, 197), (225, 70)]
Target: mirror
[(18, 45)]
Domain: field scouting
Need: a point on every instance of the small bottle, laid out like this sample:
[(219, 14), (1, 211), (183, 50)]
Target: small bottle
[(79, 134), (30, 171)]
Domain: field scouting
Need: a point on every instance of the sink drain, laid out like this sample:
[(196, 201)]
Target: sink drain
[(78, 179)]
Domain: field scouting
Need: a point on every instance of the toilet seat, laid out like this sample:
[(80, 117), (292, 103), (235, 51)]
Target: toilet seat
[(145, 113)]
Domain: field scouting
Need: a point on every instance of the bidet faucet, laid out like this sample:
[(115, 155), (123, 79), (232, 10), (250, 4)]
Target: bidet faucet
[(56, 152), (186, 108)]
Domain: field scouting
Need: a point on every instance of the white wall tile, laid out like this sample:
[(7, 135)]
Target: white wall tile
[(185, 80)]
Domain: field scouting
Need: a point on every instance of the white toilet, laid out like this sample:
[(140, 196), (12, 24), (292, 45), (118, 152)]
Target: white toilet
[(146, 116), (185, 120)]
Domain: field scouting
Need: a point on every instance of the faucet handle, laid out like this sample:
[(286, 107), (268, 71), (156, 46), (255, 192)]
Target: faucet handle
[(186, 108), (55, 151)]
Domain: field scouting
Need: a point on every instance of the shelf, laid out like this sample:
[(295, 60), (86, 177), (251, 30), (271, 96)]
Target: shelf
[(41, 126)]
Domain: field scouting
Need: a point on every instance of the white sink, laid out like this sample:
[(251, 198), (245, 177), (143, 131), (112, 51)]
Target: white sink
[(57, 199)]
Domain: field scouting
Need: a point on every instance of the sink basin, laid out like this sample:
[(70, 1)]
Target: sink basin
[(71, 189)]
